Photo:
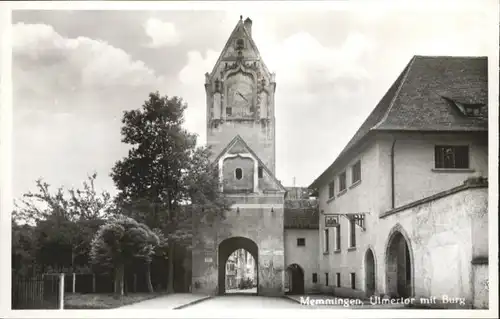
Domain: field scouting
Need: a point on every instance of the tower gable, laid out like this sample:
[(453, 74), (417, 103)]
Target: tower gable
[(242, 171), (240, 46)]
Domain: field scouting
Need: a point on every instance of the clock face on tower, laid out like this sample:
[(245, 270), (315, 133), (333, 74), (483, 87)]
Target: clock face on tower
[(240, 100)]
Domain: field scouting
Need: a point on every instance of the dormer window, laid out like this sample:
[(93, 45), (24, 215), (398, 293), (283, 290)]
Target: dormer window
[(472, 110), (467, 109)]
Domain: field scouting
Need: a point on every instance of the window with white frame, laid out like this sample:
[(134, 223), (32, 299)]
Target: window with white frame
[(352, 232), (301, 241), (356, 172), (451, 156), (342, 182), (336, 229), (326, 240), (353, 280), (331, 189)]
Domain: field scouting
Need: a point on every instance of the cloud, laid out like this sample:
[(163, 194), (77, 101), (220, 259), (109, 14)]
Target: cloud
[(69, 95), (331, 70), (300, 61), (161, 33), (75, 62), (197, 65)]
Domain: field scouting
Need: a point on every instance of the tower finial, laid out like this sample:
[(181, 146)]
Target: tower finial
[(241, 17)]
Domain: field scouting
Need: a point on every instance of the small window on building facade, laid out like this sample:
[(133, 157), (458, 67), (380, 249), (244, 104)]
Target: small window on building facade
[(451, 156), (229, 111), (352, 233), (327, 240), (261, 172), (342, 181), (338, 279), (331, 190), (240, 43), (356, 172), (353, 280), (337, 237), (238, 173), (301, 241), (315, 278), (326, 279)]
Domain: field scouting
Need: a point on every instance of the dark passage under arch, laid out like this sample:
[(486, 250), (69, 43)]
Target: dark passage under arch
[(369, 273), (295, 275), (399, 268)]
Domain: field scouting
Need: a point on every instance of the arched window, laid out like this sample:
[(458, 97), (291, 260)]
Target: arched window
[(238, 173)]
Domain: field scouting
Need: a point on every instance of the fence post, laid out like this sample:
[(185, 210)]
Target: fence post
[(93, 283), (74, 282), (135, 282), (61, 291)]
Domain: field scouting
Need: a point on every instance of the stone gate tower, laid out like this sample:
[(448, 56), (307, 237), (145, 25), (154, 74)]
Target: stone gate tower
[(241, 131), (240, 97)]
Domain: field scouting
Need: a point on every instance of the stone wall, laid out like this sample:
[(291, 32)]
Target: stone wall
[(439, 233), (256, 217)]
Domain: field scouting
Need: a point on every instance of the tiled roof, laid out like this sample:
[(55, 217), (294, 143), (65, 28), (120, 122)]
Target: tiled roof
[(423, 96), (422, 102), (302, 214)]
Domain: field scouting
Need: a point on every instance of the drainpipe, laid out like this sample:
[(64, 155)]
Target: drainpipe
[(392, 175)]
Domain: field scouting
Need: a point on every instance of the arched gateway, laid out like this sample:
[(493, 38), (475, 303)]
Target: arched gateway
[(241, 133), (369, 273), (295, 276), (229, 246), (399, 264)]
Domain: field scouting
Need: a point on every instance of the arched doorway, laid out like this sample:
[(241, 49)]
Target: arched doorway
[(399, 266), (295, 275), (229, 246), (369, 273)]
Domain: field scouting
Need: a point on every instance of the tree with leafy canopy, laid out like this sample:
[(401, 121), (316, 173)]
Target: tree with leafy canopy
[(24, 249), (166, 181), (62, 223), (118, 243)]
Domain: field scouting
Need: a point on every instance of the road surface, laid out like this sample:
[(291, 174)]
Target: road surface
[(248, 301)]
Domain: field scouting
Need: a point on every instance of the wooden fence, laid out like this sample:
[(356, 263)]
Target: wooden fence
[(40, 292)]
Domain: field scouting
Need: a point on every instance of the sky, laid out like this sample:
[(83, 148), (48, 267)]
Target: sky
[(76, 72)]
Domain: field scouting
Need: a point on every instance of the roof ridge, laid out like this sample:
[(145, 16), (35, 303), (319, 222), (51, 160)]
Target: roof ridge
[(396, 94)]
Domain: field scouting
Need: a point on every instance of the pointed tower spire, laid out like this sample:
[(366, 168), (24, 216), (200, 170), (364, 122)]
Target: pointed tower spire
[(240, 96)]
